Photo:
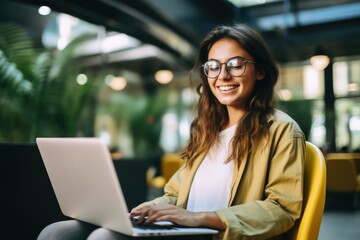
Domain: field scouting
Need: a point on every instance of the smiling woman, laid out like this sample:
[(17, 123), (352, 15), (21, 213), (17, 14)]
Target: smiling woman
[(239, 140)]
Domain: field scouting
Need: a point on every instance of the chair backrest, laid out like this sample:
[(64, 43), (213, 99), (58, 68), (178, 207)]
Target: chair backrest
[(346, 155), (308, 226), (170, 163), (342, 173)]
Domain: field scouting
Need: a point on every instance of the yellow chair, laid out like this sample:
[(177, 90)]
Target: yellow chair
[(170, 163), (347, 155), (343, 174), (308, 226)]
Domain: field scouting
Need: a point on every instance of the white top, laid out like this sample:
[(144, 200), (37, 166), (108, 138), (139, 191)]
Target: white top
[(210, 189)]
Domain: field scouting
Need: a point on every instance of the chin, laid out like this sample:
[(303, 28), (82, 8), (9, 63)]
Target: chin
[(232, 102), (227, 103)]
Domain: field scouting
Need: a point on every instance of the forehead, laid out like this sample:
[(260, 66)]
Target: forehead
[(225, 49)]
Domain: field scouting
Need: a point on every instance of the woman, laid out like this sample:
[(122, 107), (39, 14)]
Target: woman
[(243, 171), (244, 160)]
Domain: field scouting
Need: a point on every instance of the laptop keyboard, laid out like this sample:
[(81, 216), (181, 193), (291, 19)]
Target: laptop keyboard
[(152, 226)]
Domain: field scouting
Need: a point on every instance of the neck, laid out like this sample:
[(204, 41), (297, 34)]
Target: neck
[(235, 114)]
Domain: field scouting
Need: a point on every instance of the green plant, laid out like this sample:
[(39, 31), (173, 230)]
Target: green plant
[(39, 95), (141, 114), (301, 111)]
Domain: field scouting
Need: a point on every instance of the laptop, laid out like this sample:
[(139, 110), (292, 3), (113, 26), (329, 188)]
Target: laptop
[(87, 188)]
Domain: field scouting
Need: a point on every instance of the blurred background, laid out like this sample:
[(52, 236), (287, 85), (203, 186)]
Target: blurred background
[(119, 69)]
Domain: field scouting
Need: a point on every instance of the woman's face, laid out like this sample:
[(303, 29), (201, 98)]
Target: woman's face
[(232, 91)]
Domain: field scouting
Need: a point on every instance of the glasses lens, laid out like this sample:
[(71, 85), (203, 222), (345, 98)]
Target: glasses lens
[(235, 66), (212, 68)]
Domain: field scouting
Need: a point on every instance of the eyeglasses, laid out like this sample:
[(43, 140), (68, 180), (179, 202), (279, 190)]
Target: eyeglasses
[(235, 66)]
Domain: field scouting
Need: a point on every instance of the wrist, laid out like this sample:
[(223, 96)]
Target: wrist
[(211, 220)]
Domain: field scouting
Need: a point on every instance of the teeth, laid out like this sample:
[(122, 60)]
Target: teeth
[(226, 88)]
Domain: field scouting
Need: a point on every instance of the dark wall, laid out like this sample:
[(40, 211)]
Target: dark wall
[(28, 200), (132, 177)]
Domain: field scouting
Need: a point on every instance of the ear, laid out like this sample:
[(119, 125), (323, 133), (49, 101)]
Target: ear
[(260, 74)]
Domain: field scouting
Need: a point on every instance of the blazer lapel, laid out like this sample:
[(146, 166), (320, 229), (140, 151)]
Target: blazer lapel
[(238, 173)]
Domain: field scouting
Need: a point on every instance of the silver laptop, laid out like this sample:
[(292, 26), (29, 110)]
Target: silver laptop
[(87, 188)]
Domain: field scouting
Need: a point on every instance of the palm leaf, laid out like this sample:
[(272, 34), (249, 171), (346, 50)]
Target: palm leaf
[(38, 87), (18, 47)]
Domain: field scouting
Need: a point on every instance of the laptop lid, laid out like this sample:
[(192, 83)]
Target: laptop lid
[(87, 188)]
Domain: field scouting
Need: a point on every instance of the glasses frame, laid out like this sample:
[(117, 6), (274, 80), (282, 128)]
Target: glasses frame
[(245, 61)]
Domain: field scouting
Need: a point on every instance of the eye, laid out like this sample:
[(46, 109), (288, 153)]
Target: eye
[(236, 63), (213, 66)]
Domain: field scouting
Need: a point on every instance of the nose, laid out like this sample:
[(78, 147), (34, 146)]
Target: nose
[(224, 75)]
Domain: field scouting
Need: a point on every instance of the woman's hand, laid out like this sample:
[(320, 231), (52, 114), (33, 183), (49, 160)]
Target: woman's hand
[(149, 212), (165, 212)]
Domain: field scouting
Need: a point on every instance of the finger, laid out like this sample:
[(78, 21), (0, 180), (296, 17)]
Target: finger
[(163, 214), (141, 209), (142, 205), (144, 213)]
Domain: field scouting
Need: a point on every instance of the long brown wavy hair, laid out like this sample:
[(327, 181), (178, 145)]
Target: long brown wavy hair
[(212, 116)]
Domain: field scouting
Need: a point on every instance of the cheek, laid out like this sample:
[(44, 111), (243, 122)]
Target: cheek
[(249, 85)]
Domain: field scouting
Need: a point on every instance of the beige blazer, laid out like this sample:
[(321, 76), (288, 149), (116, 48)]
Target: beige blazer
[(266, 191)]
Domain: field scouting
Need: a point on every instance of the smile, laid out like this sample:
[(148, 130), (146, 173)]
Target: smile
[(227, 88)]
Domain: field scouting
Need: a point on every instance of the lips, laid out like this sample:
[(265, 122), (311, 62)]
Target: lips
[(227, 88)]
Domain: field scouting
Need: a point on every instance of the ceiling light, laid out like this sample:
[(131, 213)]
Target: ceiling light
[(81, 79), (319, 60), (247, 3), (44, 10), (118, 83), (164, 76), (285, 94)]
